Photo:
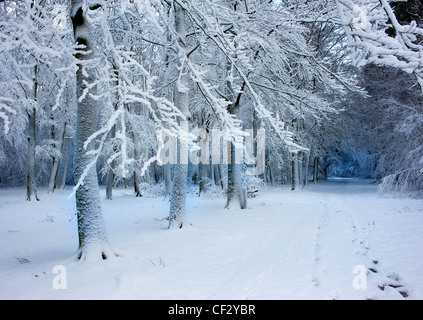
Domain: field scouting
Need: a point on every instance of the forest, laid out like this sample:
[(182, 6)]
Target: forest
[(212, 98)]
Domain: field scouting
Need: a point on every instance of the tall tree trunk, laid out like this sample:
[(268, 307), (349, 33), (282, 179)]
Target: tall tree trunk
[(218, 175), (30, 173), (93, 240), (300, 166), (295, 179), (110, 174), (315, 169), (109, 184), (306, 168), (204, 166), (234, 190), (202, 173), (137, 189), (147, 177), (56, 162), (177, 212), (271, 175), (65, 162)]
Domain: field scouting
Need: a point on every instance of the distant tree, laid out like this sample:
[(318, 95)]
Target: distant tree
[(36, 50)]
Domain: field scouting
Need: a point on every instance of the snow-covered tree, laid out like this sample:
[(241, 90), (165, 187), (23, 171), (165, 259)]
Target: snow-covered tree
[(36, 49), (177, 215), (378, 37), (389, 34), (93, 240)]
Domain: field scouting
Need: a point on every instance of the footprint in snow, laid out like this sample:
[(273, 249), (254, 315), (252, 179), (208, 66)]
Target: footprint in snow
[(393, 281)]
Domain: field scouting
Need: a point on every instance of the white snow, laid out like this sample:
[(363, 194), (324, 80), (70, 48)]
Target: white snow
[(309, 244)]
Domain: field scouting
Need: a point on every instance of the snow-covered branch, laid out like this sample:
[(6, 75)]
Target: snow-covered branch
[(377, 37)]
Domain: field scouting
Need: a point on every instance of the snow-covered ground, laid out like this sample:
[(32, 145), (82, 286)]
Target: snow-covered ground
[(335, 240)]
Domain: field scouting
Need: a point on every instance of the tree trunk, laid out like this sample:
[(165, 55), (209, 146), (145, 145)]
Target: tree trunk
[(300, 167), (217, 174), (293, 185), (204, 166), (271, 175), (137, 189), (295, 172), (234, 181), (315, 169), (109, 184), (306, 168), (234, 189), (56, 161), (65, 161), (110, 174), (177, 212), (30, 174), (93, 240), (202, 172), (147, 170)]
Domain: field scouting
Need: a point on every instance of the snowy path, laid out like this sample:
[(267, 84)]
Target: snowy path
[(341, 242), (318, 243)]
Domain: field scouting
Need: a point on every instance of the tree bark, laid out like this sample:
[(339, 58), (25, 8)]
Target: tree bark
[(137, 189), (177, 212), (295, 179), (300, 167), (315, 169), (93, 240), (234, 190), (65, 162), (203, 166), (202, 173), (56, 162), (110, 174), (306, 168), (30, 174)]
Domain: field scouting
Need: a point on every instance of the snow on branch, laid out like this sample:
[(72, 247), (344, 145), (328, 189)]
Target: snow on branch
[(377, 37), (211, 19), (29, 38), (124, 81), (403, 181), (4, 115)]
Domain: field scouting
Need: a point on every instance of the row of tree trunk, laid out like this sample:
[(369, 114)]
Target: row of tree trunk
[(93, 239), (300, 173)]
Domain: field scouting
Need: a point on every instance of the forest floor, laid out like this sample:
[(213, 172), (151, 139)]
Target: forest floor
[(335, 240)]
